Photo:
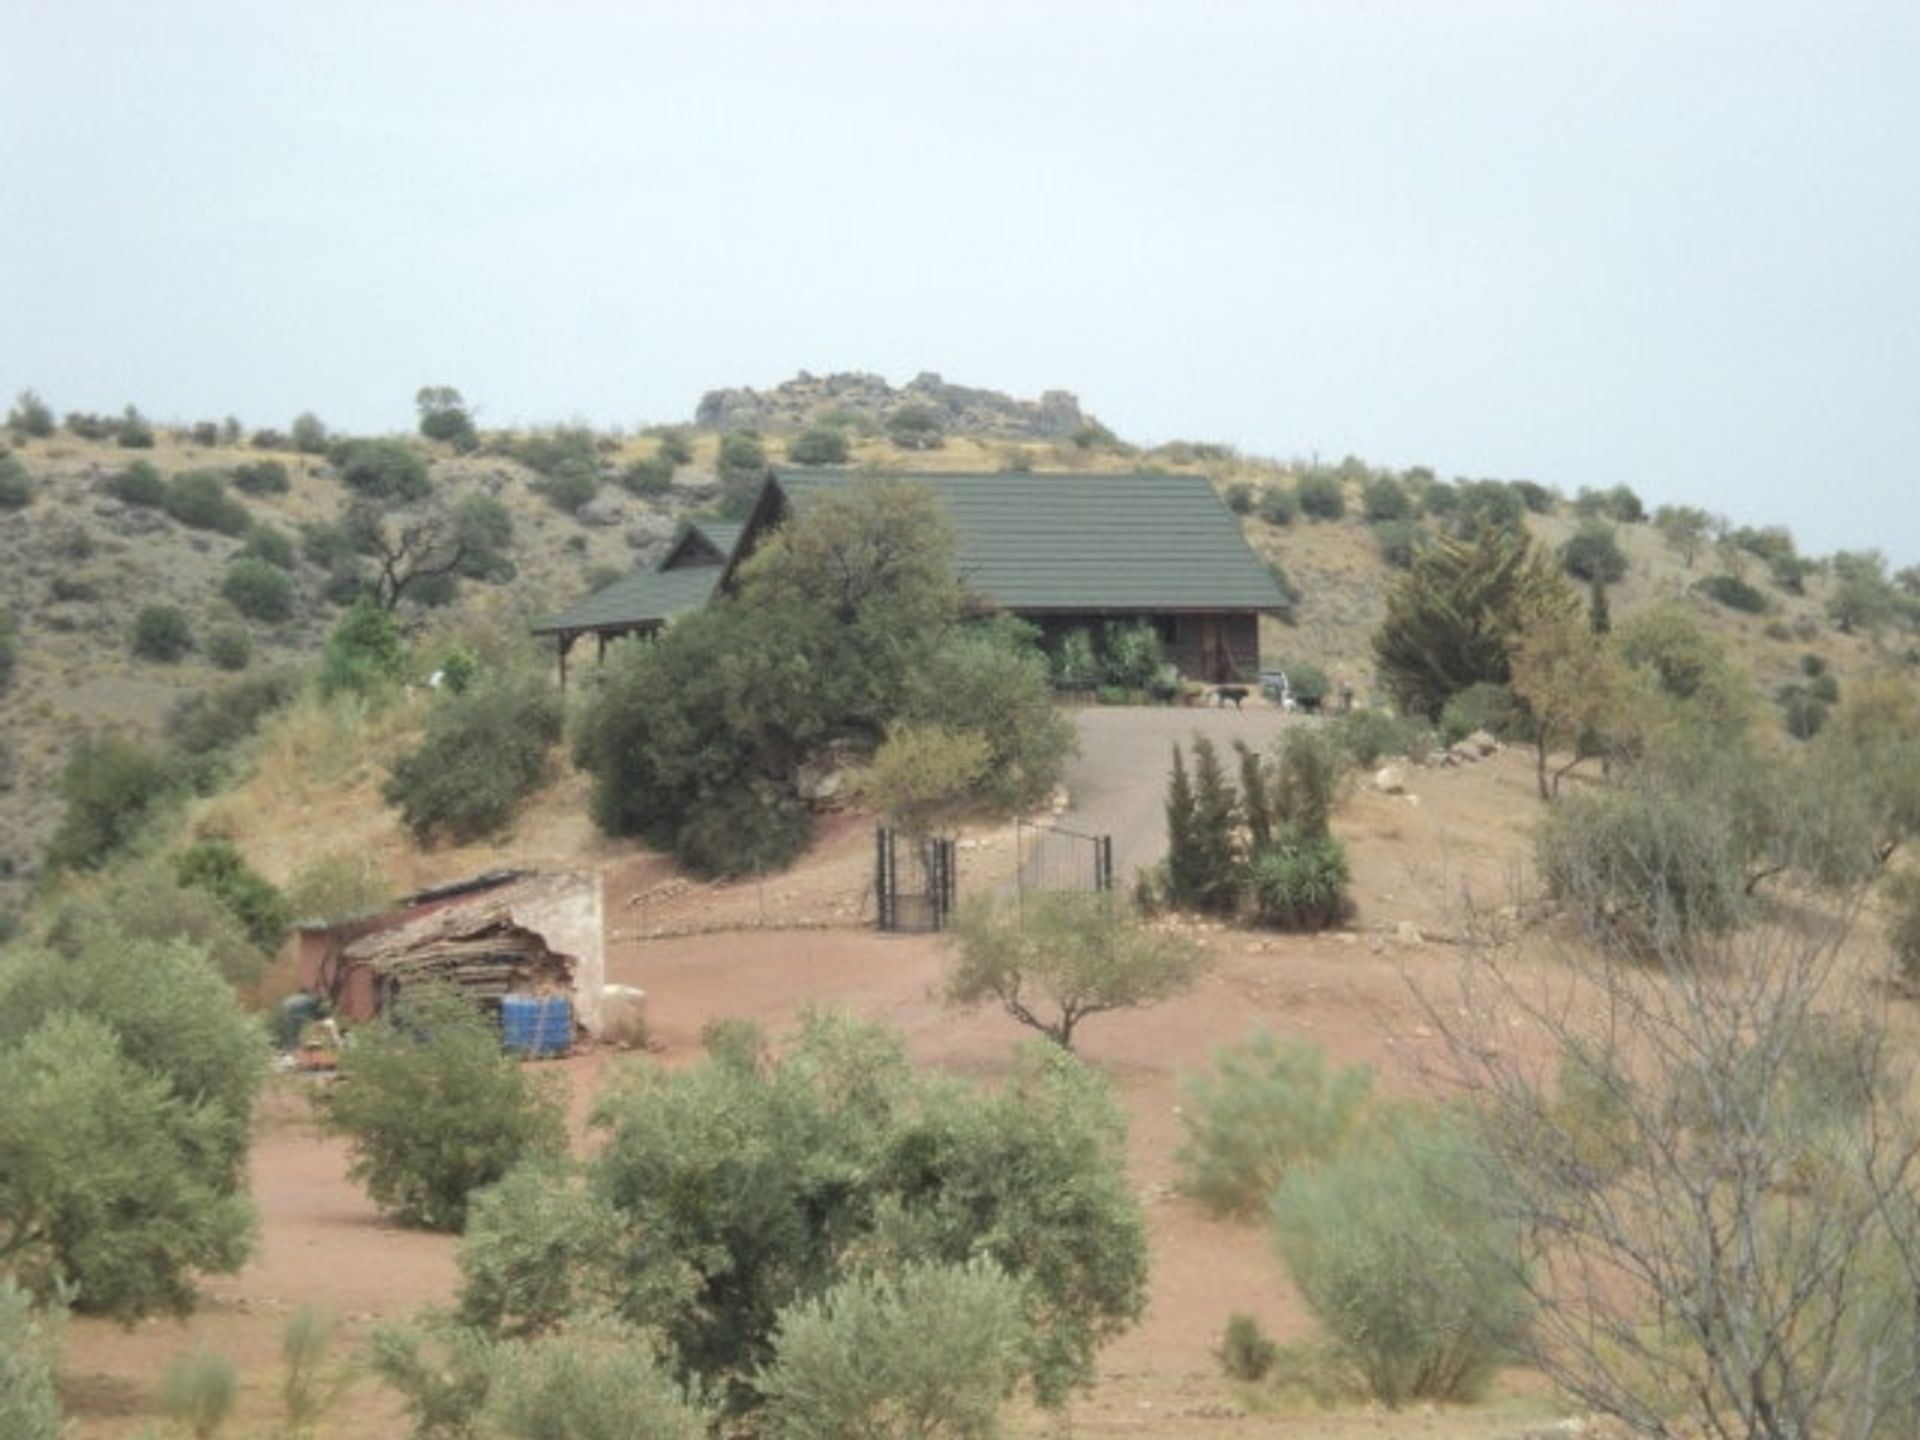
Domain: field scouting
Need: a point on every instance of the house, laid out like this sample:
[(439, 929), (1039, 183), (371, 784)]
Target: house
[(1064, 552)]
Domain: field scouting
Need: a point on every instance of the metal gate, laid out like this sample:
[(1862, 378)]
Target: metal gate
[(1054, 858), (913, 879)]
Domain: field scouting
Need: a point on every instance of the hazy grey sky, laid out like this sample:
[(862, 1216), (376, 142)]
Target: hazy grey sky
[(1671, 244)]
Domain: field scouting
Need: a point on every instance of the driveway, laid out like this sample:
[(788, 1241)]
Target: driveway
[(1117, 785)]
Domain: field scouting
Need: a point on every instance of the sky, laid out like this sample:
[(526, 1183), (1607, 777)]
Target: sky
[(1672, 244)]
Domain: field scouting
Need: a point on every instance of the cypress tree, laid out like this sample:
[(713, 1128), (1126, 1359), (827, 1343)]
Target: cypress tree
[(1183, 880), (1253, 795), (1216, 825)]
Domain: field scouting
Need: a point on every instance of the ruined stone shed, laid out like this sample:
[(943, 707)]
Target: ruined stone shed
[(513, 933)]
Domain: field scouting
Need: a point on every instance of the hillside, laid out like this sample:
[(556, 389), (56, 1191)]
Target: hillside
[(77, 564)]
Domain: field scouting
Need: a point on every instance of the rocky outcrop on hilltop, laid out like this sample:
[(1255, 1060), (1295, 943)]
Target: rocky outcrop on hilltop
[(869, 400)]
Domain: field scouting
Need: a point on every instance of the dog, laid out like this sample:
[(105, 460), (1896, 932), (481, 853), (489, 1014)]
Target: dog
[(1223, 693)]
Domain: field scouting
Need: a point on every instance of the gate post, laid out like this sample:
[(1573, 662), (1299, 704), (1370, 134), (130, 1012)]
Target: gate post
[(1103, 863), (883, 876)]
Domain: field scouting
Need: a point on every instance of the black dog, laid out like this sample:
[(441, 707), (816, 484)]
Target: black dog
[(1223, 693)]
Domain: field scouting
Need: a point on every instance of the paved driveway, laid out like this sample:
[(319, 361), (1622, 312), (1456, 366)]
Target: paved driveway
[(1118, 783)]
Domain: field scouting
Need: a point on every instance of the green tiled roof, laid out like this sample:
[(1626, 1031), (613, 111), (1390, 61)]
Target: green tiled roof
[(645, 595), (1091, 542)]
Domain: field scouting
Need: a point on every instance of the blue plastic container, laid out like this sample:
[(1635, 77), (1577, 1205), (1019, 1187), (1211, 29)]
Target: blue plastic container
[(536, 1025)]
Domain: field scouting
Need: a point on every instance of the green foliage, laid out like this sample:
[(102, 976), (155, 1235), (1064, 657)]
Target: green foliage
[(390, 471), (774, 1180), (1239, 496), (264, 542), (1642, 867), (30, 418), (258, 589), (29, 1367), (1384, 498), (1278, 504), (218, 868), (1685, 528), (1863, 598), (1902, 895), (1321, 495), (742, 465), (1454, 618), (130, 1072), (650, 476), (569, 488), (1593, 553), (16, 486), (1076, 664), (982, 681), (214, 719), (147, 901), (1732, 592), (1133, 658), (1538, 499), (443, 1372), (362, 653), (929, 1351), (1366, 737), (1300, 883), (1484, 706), (9, 651), (675, 442), (1264, 1108), (161, 632), (1404, 1262), (915, 427), (197, 1391), (1481, 504), (434, 1110), (261, 477), (110, 785), (132, 432), (1308, 683), (229, 647), (537, 1253), (1399, 542), (1306, 776), (139, 484), (307, 434), (199, 500), (1057, 957), (1619, 503), (444, 416), (485, 749), (820, 445), (1803, 711), (338, 887), (924, 774), (1205, 867), (1246, 1352), (598, 1381)]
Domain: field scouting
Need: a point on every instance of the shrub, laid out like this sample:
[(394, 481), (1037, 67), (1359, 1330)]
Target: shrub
[(1593, 553), (338, 887), (257, 589), (563, 448), (29, 1365), (139, 484), (30, 416), (1536, 497), (485, 750), (1405, 1264), (1076, 664), (821, 445), (1384, 498), (741, 465), (1239, 497), (263, 542), (1802, 710), (915, 427), (1399, 542), (1366, 737), (675, 442), (210, 720), (268, 439), (1264, 1107), (434, 1110), (598, 1381), (1732, 592), (1482, 706), (1133, 658), (133, 432), (9, 651), (261, 477), (1246, 1353), (307, 434), (1321, 495), (927, 1350), (130, 1072), (444, 416), (651, 476), (161, 632), (388, 470), (1903, 924), (362, 653), (1308, 684), (1301, 884), (16, 486), (982, 681), (1278, 504), (199, 499), (216, 867), (197, 1391), (749, 829), (569, 488), (1205, 861), (147, 901), (540, 1249)]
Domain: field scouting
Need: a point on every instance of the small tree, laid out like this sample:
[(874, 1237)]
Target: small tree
[(1216, 860), (930, 1351), (161, 632), (390, 471), (16, 486), (434, 1109), (1593, 553), (485, 751), (742, 466), (444, 416), (31, 418), (307, 434), (29, 1366), (821, 445), (1058, 957), (923, 774), (109, 786), (258, 589), (1578, 691), (915, 427), (132, 432), (363, 652)]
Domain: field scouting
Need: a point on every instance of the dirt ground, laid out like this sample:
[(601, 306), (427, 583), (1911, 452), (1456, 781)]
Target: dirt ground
[(1461, 835)]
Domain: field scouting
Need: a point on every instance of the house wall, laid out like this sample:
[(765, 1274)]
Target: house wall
[(568, 912), (1213, 647)]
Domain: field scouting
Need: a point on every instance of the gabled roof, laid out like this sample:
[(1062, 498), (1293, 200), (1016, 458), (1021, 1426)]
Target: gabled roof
[(644, 597), (1139, 542)]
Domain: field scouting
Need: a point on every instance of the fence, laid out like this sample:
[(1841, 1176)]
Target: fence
[(913, 881), (1051, 857)]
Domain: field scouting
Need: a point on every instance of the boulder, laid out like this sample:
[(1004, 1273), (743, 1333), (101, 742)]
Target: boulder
[(602, 511), (1481, 743), (623, 1016), (1390, 780)]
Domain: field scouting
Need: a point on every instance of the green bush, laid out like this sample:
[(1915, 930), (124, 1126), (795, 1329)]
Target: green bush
[(433, 1109), (1399, 1253), (1132, 655), (539, 1251), (139, 484), (1593, 552), (1399, 542), (1536, 497), (263, 542), (161, 632), (916, 427), (130, 1073), (147, 901), (570, 487), (1366, 737), (199, 500), (1482, 706), (1385, 498), (1903, 924), (16, 486), (1732, 592), (261, 477), (339, 887), (675, 442), (229, 647), (485, 750), (751, 829), (648, 477), (1264, 1107), (1239, 497), (1308, 684), (1321, 495), (197, 1390), (307, 434), (927, 1350), (30, 417), (132, 432), (258, 589), (821, 445), (362, 653), (211, 720), (9, 651), (983, 682), (598, 1381), (29, 1368), (1278, 504), (216, 867), (1301, 884), (388, 470), (563, 448), (1246, 1353)]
